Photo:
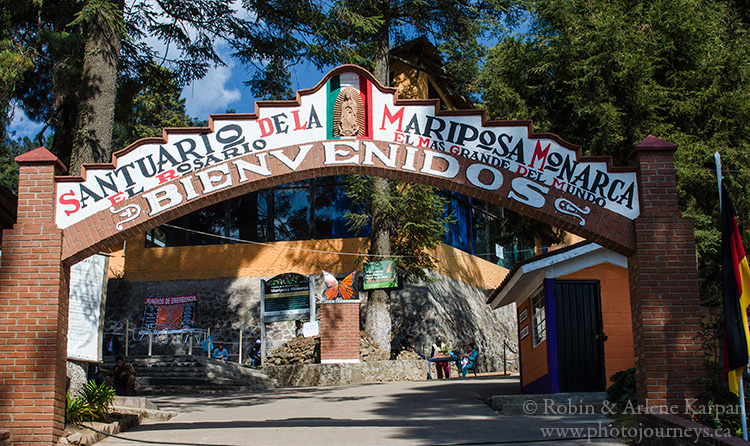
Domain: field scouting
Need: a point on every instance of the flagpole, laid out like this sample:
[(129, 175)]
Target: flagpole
[(717, 159), (743, 416)]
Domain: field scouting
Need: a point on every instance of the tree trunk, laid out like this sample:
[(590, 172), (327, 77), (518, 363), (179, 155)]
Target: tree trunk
[(378, 322), (64, 98), (96, 111)]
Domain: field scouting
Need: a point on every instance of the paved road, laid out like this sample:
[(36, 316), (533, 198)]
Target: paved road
[(399, 413)]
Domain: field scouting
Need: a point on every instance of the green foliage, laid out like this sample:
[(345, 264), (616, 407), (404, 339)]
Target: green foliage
[(520, 230), (622, 390), (605, 74), (360, 32), (415, 214), (77, 410), (717, 388), (98, 397), (94, 402), (15, 61), (104, 12), (147, 105), (54, 33)]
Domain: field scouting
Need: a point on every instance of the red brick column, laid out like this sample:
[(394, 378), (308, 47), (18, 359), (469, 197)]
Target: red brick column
[(664, 285), (339, 332), (33, 309)]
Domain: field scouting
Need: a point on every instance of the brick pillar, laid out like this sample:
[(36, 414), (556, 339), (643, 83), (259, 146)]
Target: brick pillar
[(339, 332), (33, 309), (664, 285)]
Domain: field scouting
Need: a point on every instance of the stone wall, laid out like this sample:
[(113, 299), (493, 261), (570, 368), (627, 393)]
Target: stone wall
[(306, 375), (443, 306)]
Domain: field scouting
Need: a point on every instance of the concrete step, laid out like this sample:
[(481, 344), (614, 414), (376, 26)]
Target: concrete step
[(190, 374), (183, 390), (185, 380)]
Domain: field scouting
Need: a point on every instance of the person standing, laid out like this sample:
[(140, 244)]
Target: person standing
[(441, 349), (111, 345)]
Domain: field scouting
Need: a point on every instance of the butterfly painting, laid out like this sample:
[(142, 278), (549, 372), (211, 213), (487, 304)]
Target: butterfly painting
[(338, 289)]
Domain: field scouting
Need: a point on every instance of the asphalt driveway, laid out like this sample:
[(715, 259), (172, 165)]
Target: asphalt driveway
[(397, 413)]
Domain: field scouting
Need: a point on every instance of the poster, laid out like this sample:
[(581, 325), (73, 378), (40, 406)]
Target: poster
[(380, 275), (170, 313), (286, 297), (88, 286)]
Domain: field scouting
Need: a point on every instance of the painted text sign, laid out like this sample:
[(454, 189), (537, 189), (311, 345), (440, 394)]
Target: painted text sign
[(348, 121)]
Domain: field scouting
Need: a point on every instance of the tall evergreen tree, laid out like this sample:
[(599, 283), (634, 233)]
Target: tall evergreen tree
[(80, 53), (605, 74), (148, 104), (361, 33)]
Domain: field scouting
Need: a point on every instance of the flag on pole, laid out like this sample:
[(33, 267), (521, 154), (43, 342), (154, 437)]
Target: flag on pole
[(736, 291)]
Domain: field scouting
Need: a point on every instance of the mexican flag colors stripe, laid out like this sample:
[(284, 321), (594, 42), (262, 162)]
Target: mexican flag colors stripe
[(736, 291), (359, 83)]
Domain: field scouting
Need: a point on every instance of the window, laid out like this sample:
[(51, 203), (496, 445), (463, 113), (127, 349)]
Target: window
[(538, 318), (315, 209), (303, 210)]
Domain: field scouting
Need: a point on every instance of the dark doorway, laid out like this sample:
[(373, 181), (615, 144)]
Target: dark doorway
[(580, 338)]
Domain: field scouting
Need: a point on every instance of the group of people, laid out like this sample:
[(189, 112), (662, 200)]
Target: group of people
[(121, 377), (440, 349), (464, 363), (221, 353)]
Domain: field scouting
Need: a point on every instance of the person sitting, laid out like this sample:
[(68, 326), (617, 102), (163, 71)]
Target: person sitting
[(220, 352), (469, 360), (122, 378), (94, 374), (407, 343), (441, 350), (298, 329), (395, 348), (255, 354)]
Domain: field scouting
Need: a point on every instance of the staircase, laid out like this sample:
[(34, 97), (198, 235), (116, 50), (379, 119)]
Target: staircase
[(157, 375)]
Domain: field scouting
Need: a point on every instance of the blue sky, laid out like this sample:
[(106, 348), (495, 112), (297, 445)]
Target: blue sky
[(221, 89)]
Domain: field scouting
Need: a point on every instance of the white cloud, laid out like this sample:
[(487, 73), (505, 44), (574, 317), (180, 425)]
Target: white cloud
[(212, 94), (20, 125)]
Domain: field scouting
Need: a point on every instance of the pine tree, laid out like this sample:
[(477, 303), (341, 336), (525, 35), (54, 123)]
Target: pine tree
[(361, 33), (80, 51), (605, 74)]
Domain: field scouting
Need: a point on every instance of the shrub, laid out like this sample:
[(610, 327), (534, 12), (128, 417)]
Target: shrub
[(98, 397), (77, 410), (622, 390)]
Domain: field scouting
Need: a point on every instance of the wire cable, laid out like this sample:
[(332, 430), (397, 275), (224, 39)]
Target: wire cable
[(323, 251)]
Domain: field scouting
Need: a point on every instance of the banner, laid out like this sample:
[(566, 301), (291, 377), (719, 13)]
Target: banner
[(348, 121), (170, 313), (88, 285)]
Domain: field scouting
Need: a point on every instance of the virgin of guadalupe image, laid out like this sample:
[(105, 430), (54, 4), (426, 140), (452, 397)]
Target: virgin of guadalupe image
[(348, 125)]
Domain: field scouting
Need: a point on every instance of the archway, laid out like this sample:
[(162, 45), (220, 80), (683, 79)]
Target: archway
[(347, 124)]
